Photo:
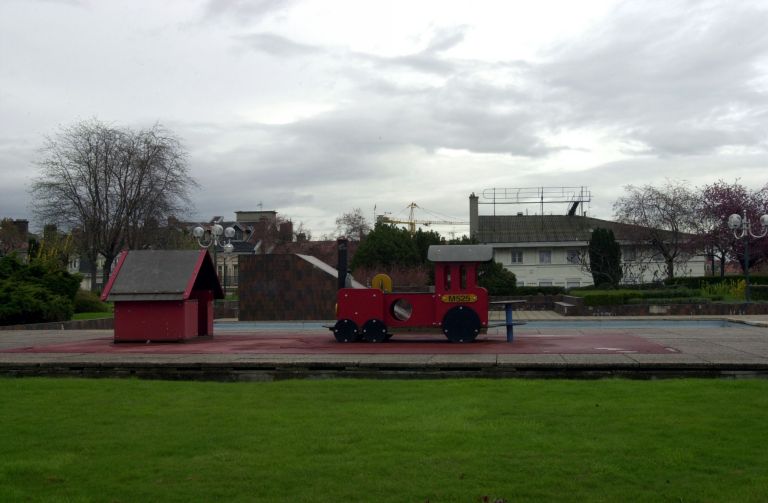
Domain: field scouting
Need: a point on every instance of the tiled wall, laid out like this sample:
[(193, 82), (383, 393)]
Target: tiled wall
[(284, 287)]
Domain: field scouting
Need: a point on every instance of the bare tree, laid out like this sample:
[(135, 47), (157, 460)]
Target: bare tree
[(302, 233), (665, 218), (353, 225), (110, 184)]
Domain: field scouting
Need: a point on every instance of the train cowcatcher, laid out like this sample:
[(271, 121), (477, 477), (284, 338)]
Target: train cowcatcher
[(458, 306)]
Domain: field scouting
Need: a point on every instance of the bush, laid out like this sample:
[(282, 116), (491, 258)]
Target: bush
[(89, 302), (35, 293), (625, 296), (539, 290), (606, 298), (668, 293), (31, 303), (671, 300), (497, 279), (701, 281), (730, 288), (759, 292)]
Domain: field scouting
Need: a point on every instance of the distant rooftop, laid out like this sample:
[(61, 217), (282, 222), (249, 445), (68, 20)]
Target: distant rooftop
[(548, 228)]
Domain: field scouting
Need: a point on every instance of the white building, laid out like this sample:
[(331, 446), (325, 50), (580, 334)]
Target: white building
[(548, 250)]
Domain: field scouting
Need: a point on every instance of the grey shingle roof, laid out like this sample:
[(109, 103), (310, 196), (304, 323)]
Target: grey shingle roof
[(549, 228), (163, 275)]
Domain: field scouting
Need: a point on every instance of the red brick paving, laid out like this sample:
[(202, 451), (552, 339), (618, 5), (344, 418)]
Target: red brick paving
[(315, 343)]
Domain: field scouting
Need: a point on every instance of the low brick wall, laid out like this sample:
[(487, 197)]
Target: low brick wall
[(100, 324), (539, 302), (713, 309)]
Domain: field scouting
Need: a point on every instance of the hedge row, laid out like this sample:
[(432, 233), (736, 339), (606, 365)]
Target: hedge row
[(759, 292), (536, 290), (673, 300), (618, 297), (700, 281)]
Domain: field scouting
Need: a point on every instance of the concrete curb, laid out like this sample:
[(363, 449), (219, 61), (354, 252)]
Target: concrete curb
[(349, 368)]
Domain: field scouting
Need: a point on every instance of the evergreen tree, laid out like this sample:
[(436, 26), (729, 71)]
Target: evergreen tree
[(604, 258), (425, 239), (386, 245), (496, 278)]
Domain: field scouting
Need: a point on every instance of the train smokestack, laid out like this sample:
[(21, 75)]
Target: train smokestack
[(341, 266)]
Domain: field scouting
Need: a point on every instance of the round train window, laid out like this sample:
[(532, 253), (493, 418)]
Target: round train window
[(401, 309)]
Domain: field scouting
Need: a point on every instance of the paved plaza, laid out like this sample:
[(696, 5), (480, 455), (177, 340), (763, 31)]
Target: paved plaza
[(550, 345)]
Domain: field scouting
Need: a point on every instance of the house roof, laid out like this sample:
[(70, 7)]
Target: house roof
[(162, 275), (550, 228), (460, 253)]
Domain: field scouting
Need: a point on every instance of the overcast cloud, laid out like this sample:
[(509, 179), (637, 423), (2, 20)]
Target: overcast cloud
[(313, 108)]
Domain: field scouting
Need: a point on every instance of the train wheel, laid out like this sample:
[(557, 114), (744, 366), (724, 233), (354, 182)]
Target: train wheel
[(345, 331), (374, 331), (461, 324)]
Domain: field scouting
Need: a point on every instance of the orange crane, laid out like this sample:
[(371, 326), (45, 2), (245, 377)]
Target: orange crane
[(412, 221)]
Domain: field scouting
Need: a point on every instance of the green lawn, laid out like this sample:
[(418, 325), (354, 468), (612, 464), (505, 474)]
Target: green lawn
[(399, 441)]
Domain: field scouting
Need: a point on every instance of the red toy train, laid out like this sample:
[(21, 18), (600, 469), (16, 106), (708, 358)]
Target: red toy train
[(458, 306)]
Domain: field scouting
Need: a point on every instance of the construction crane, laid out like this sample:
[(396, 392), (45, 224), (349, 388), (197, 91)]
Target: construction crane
[(412, 222)]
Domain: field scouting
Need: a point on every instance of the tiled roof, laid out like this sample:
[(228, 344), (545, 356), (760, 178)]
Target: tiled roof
[(549, 228)]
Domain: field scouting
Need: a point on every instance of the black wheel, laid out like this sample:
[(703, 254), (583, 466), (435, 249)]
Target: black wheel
[(461, 324), (374, 331), (345, 331)]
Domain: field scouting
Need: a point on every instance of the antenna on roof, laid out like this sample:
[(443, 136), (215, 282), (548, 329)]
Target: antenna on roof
[(572, 196)]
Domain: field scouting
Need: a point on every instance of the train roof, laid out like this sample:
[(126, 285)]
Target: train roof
[(460, 253)]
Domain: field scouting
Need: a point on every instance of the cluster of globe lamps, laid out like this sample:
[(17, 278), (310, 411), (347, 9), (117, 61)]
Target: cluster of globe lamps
[(742, 229)]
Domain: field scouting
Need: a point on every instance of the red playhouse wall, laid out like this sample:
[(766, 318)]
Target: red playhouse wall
[(205, 312), (156, 320)]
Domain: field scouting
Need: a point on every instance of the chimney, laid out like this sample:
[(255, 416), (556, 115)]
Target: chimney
[(23, 227), (341, 266), (474, 218), (286, 231)]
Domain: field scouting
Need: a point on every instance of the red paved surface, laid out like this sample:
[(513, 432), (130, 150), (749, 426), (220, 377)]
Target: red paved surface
[(282, 343)]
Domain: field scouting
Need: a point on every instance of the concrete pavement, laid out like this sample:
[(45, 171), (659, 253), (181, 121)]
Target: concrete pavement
[(738, 349)]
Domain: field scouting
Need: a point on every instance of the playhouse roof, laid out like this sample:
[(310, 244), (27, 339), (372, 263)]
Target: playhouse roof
[(162, 275)]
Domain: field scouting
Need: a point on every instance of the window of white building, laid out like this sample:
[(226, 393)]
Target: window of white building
[(573, 256), (515, 256), (545, 256), (545, 282), (572, 283)]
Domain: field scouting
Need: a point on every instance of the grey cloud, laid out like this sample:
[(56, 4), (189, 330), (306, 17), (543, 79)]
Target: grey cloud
[(680, 140), (427, 60), (445, 39), (276, 45), (429, 122), (244, 10), (67, 2)]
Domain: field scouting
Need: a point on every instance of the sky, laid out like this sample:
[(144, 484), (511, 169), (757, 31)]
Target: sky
[(314, 108)]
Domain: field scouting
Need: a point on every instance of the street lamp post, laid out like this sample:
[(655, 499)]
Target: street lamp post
[(743, 230), (212, 238)]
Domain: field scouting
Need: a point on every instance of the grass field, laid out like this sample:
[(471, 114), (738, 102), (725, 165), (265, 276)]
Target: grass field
[(398, 441)]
